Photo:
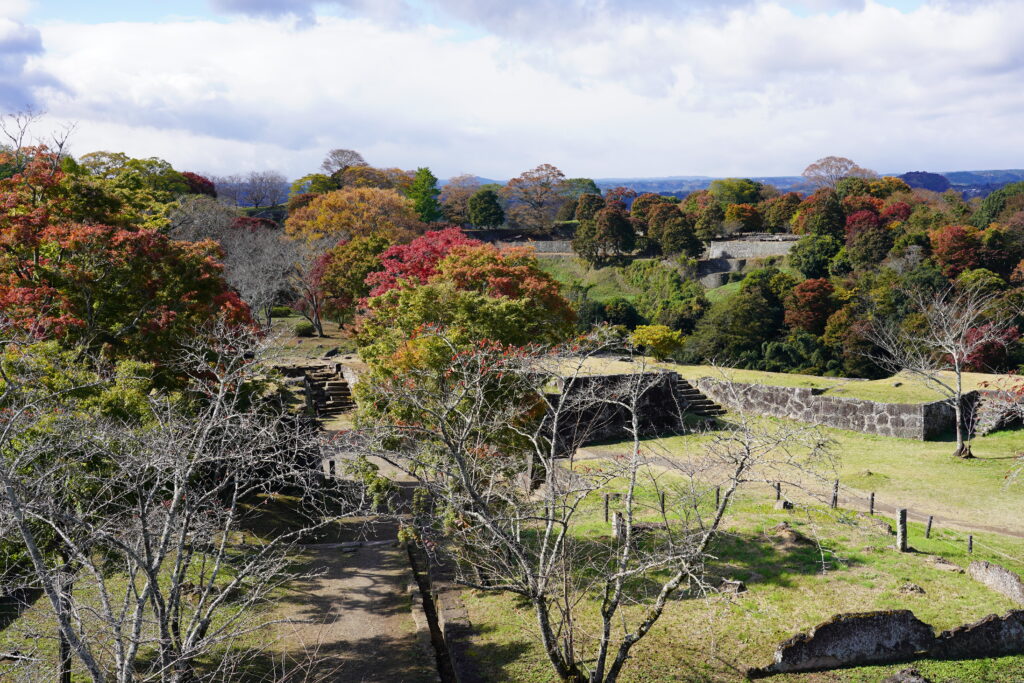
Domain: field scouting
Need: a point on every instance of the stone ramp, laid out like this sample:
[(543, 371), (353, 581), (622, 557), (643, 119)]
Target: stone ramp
[(357, 617)]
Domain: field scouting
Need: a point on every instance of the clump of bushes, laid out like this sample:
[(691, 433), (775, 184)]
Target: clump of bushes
[(280, 312), (304, 328)]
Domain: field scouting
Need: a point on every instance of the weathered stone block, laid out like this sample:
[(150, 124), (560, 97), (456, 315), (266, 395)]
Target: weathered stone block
[(853, 640), (992, 636), (999, 579)]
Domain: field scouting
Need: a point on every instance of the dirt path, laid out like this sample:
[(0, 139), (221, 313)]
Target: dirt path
[(357, 617)]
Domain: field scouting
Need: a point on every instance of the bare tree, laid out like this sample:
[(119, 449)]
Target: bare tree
[(258, 262), (490, 435), (265, 188), (154, 543), (828, 171), (340, 159), (306, 279), (953, 327), (230, 188), (17, 129)]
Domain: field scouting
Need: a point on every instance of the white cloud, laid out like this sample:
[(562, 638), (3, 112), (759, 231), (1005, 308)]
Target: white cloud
[(755, 90)]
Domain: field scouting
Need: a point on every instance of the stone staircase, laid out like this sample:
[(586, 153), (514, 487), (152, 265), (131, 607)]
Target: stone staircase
[(693, 400), (327, 393)]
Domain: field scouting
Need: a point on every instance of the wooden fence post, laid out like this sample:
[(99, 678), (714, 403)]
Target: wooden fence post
[(871, 504), (606, 508), (928, 529), (778, 491), (970, 544)]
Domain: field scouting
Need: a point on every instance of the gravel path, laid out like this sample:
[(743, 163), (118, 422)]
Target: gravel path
[(357, 617)]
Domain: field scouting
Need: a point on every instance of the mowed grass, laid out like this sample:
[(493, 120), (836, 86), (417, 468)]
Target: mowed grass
[(290, 348), (923, 476), (791, 588), (900, 388)]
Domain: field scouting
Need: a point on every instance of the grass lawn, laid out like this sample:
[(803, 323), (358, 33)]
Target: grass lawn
[(922, 476), (791, 587), (901, 388), (291, 348)]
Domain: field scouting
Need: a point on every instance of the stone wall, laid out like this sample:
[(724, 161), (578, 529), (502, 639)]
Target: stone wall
[(922, 421), (992, 636), (592, 421), (891, 637), (775, 245), (999, 579), (853, 640), (541, 246)]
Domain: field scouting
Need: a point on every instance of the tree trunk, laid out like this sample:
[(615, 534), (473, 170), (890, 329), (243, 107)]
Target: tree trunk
[(64, 652)]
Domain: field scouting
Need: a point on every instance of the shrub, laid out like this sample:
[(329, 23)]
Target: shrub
[(280, 312), (304, 328), (660, 341)]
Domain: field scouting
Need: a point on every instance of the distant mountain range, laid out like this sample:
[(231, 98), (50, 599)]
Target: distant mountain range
[(968, 183)]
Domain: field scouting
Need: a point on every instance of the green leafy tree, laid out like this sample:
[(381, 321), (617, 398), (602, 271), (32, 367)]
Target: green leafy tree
[(812, 253), (676, 235), (868, 248), (424, 192), (313, 183), (609, 234), (587, 206), (574, 187), (709, 221), (344, 275), (485, 209), (735, 329), (736, 191), (820, 214)]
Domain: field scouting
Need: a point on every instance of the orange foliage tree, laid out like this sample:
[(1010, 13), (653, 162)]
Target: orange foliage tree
[(355, 212)]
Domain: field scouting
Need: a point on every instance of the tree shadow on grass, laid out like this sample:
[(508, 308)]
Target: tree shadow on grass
[(772, 559), (15, 604)]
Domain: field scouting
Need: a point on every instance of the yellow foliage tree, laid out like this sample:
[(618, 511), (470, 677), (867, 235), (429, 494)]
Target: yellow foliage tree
[(356, 212)]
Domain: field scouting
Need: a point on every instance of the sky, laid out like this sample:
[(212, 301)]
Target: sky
[(599, 88)]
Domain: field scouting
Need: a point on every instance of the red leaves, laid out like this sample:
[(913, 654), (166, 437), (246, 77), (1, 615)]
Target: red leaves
[(957, 248), (810, 305), (416, 261)]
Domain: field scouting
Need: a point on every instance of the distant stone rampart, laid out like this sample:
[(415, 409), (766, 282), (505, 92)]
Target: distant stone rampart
[(760, 247), (541, 246), (922, 421)]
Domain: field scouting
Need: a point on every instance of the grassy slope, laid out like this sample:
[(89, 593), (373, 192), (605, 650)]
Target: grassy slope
[(606, 283), (718, 637), (923, 476)]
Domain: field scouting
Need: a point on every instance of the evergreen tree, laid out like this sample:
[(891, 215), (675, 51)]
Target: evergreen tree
[(423, 192), (485, 210)]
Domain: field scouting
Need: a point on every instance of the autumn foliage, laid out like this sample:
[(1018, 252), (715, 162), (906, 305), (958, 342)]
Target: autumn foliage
[(416, 262)]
